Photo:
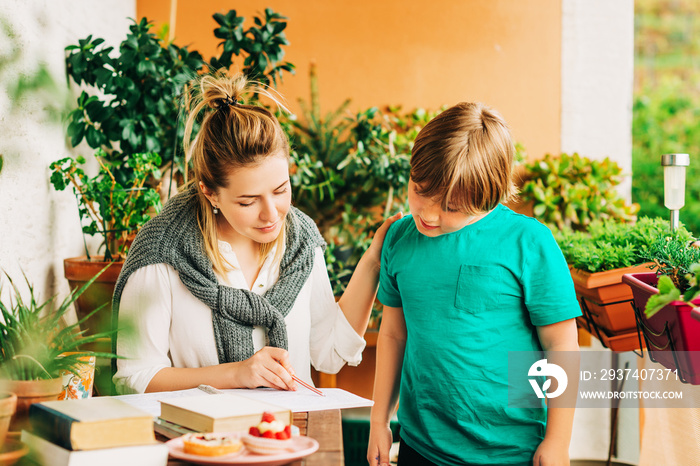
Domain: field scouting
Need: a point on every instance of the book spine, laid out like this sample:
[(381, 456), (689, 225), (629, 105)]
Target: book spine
[(51, 425)]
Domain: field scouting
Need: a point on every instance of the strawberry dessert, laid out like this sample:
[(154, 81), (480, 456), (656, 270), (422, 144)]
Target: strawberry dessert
[(270, 427), (269, 437)]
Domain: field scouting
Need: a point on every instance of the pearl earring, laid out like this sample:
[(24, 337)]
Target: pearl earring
[(216, 210)]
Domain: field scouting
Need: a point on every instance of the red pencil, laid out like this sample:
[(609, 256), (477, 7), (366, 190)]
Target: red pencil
[(306, 385)]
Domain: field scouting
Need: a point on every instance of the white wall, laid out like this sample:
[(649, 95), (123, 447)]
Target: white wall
[(596, 121), (597, 77), (38, 226)]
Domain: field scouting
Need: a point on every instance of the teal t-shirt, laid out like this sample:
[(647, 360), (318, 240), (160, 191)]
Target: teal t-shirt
[(468, 298)]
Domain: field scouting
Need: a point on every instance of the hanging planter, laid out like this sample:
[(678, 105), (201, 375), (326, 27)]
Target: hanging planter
[(672, 335)]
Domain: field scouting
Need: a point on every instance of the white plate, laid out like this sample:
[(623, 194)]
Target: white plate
[(301, 447)]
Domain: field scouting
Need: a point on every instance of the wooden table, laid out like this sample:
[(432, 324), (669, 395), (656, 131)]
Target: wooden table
[(324, 426)]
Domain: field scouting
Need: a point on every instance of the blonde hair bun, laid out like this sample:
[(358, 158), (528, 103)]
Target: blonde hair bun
[(223, 90)]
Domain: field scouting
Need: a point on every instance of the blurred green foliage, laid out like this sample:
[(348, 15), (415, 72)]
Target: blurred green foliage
[(666, 111), (35, 341), (261, 45)]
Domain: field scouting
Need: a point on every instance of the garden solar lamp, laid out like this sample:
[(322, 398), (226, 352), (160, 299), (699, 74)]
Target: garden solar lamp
[(674, 184)]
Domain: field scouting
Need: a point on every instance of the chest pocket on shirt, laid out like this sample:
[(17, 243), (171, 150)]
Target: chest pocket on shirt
[(479, 288)]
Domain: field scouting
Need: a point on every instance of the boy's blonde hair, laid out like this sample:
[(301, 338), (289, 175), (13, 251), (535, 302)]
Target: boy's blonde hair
[(464, 158), (232, 135)]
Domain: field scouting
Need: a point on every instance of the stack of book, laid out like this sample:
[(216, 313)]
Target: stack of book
[(96, 431), (214, 413)]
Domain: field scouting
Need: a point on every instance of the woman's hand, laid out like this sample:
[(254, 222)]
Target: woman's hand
[(375, 249), (269, 367), (380, 439)]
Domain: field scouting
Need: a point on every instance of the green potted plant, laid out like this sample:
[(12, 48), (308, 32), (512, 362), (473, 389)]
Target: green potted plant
[(599, 257), (572, 191), (36, 346), (664, 304), (112, 210)]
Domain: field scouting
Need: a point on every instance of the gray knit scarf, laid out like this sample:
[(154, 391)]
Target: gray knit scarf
[(174, 238)]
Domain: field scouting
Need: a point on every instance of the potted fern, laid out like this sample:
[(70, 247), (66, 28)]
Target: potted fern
[(36, 346), (665, 302)]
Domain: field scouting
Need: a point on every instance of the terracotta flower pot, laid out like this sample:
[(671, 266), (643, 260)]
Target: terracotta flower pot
[(28, 392), (672, 334), (8, 405), (78, 271), (602, 288), (606, 305)]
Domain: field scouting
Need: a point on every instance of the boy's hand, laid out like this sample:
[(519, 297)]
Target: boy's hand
[(380, 439), (551, 453)]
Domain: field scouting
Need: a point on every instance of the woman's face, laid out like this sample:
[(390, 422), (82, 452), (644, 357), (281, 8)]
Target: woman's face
[(255, 201), (429, 217)]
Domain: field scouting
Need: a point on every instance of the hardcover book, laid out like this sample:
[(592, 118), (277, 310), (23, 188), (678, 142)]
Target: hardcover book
[(219, 413), (101, 422), (45, 453)]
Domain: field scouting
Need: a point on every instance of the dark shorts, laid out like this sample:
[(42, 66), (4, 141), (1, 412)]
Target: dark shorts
[(410, 457)]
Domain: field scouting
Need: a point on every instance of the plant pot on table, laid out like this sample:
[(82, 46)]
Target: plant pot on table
[(29, 392), (8, 405), (672, 335), (606, 304)]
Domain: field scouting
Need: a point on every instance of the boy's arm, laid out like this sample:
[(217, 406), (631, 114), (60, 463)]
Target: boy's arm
[(560, 343), (390, 350)]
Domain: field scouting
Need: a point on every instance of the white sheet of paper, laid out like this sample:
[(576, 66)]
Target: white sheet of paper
[(300, 401)]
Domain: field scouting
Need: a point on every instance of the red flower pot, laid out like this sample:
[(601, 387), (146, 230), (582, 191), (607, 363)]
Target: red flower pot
[(672, 335)]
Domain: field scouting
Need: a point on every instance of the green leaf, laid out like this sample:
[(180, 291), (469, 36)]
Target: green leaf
[(667, 294), (93, 137), (76, 130)]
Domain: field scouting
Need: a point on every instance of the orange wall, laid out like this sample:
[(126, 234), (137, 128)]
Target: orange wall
[(506, 53)]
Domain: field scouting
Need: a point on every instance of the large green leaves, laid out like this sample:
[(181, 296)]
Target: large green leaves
[(259, 45), (140, 88)]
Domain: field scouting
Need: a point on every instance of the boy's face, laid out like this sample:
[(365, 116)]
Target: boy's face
[(430, 219)]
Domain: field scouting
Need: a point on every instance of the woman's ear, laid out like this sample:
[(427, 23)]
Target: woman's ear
[(209, 194)]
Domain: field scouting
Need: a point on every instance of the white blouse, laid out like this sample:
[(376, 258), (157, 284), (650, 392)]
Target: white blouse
[(172, 328)]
